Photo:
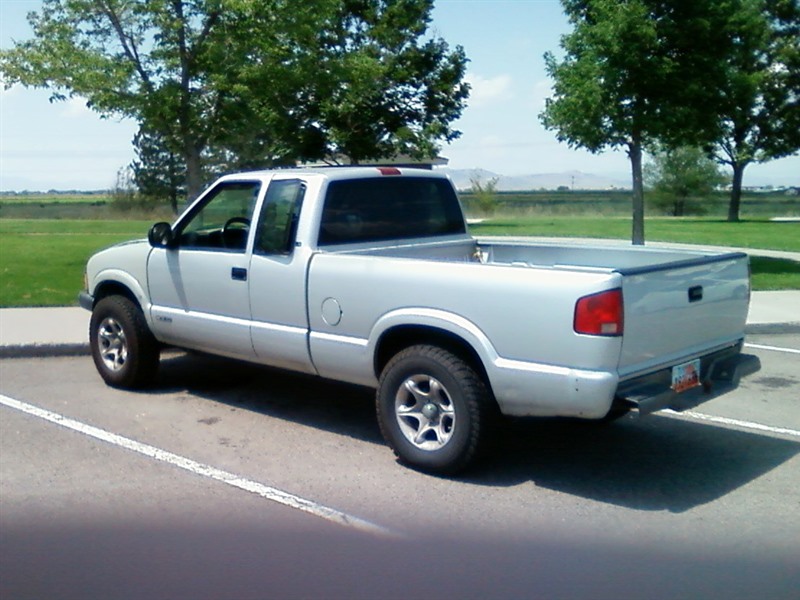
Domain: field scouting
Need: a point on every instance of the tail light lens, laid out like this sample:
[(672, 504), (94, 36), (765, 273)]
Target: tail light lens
[(600, 314), (389, 171)]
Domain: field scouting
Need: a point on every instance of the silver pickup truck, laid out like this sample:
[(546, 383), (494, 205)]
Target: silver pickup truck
[(369, 276)]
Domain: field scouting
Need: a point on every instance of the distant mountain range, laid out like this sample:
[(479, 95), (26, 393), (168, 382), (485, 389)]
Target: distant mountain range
[(576, 180)]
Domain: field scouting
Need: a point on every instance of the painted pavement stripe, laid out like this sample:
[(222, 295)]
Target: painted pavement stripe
[(734, 422), (773, 348), (187, 464)]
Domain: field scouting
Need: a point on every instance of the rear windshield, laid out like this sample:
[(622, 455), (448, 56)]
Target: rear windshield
[(389, 208)]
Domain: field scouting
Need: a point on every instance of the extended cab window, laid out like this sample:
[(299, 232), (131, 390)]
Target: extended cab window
[(279, 215), (222, 222), (389, 208)]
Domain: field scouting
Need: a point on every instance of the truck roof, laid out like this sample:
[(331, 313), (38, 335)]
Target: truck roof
[(348, 172)]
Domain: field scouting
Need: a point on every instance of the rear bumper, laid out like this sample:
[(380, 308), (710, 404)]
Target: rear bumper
[(720, 374)]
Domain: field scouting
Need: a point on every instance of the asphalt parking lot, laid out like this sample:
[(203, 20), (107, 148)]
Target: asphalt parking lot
[(232, 481)]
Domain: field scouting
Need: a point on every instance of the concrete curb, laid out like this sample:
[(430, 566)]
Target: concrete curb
[(772, 328), (44, 350)]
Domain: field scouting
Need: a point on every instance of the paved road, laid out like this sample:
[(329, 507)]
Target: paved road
[(668, 506)]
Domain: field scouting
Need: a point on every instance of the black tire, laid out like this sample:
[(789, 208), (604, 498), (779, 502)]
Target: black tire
[(433, 409), (124, 350)]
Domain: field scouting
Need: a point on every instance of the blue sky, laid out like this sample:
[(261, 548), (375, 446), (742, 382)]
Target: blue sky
[(65, 146)]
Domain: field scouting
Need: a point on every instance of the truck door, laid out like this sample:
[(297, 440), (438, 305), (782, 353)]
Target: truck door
[(199, 287), (279, 327)]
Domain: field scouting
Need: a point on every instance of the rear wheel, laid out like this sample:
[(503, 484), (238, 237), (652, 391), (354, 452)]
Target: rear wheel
[(433, 409), (124, 350)]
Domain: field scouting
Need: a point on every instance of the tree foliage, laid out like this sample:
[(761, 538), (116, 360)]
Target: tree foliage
[(159, 173), (636, 72), (760, 119), (681, 180), (253, 82), (485, 193)]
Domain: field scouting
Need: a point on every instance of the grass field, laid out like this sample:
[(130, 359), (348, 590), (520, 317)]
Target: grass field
[(56, 198), (773, 235), (760, 205), (768, 273), (75, 206), (42, 261)]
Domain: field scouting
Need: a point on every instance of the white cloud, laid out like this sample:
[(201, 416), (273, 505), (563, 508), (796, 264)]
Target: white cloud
[(487, 90)]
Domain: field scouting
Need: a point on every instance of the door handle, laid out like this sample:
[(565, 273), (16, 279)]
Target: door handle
[(239, 274)]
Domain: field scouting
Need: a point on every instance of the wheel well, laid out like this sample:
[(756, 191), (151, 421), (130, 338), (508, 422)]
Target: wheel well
[(114, 288), (397, 339)]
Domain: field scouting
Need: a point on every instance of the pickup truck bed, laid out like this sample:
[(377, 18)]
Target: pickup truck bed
[(677, 306)]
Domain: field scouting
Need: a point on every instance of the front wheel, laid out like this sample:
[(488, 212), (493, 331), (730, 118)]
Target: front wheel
[(432, 409), (124, 350)]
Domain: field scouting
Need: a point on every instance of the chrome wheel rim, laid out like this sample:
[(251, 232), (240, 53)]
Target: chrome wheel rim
[(112, 344), (425, 412)]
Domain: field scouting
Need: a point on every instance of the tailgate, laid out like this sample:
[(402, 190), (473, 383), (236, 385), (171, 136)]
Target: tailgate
[(682, 309)]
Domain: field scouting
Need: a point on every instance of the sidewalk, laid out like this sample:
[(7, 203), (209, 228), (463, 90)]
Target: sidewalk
[(38, 332)]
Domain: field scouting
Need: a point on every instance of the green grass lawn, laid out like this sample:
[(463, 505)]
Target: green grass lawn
[(89, 227), (768, 273), (58, 198), (42, 261), (764, 234)]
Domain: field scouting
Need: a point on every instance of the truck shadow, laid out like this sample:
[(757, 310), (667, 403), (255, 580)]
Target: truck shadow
[(324, 404), (652, 464), (656, 463)]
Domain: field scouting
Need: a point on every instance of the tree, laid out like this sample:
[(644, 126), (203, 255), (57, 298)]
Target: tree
[(158, 172), (387, 92), (636, 72), (681, 179), (261, 82), (761, 118), (485, 193)]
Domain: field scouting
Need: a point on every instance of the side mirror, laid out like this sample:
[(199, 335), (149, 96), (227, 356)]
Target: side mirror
[(161, 236)]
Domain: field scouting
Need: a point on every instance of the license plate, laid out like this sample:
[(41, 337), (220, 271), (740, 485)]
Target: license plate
[(686, 376)]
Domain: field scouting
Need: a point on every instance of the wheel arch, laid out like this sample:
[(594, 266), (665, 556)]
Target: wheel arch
[(111, 283), (399, 337)]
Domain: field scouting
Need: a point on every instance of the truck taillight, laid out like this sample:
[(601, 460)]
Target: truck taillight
[(389, 171), (599, 314)]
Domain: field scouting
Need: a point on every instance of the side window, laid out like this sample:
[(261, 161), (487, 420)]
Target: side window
[(222, 222), (280, 213)]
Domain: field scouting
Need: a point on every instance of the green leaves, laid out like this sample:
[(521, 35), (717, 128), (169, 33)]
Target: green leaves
[(639, 72), (682, 179), (235, 83)]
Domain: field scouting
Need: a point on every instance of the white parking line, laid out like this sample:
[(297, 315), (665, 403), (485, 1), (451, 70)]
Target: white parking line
[(734, 422), (773, 348), (187, 464)]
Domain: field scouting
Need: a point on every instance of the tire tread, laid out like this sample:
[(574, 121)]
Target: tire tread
[(476, 398), (143, 348)]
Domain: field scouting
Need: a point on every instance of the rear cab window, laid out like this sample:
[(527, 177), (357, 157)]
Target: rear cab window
[(389, 208)]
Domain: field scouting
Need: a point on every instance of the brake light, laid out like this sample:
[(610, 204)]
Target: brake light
[(389, 171), (599, 314)]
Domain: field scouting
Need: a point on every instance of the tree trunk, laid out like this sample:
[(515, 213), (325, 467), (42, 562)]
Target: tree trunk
[(173, 200), (635, 154), (736, 192), (194, 175)]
